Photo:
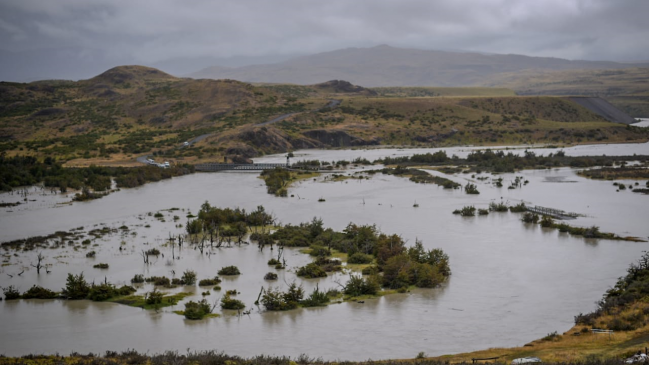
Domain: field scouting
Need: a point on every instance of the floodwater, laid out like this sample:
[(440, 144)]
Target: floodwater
[(643, 122), (511, 282)]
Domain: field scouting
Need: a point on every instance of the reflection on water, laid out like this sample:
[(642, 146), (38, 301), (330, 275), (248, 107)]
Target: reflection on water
[(512, 282)]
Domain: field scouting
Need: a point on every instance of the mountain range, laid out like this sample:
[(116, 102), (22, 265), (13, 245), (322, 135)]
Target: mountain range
[(390, 66)]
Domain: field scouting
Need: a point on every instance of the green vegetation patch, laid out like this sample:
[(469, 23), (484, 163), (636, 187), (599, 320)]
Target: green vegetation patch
[(140, 301)]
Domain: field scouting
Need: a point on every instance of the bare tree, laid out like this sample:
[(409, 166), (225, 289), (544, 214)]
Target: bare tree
[(39, 264), (145, 257)]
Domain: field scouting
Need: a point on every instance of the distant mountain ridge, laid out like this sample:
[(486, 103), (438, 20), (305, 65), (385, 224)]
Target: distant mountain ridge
[(390, 66)]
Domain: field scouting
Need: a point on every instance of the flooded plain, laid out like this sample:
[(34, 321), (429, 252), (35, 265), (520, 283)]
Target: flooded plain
[(511, 282)]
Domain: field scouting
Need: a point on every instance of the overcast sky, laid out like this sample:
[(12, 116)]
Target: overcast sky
[(155, 31)]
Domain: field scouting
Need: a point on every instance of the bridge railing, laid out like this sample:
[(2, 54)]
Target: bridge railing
[(236, 166)]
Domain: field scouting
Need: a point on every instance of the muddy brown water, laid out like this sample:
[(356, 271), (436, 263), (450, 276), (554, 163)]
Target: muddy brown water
[(511, 282)]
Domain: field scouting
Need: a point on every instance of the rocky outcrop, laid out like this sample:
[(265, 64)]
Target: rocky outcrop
[(344, 87)]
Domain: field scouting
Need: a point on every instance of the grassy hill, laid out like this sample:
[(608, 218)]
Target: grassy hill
[(627, 89), (132, 110)]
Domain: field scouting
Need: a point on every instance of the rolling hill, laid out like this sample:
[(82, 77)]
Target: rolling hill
[(129, 111)]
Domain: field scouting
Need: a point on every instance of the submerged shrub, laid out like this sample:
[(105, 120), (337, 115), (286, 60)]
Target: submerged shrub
[(230, 303), (153, 252), (530, 217), (547, 221), (76, 287), (197, 310), (158, 280), (276, 300), (154, 297), (101, 266), (518, 208), (315, 299), (229, 270), (188, 278), (107, 291), (311, 270), (471, 189), (357, 285), (11, 293), (137, 279), (270, 276), (274, 262), (468, 211), (38, 292), (208, 282), (498, 207)]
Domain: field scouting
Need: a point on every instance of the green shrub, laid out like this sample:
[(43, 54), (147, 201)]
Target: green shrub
[(158, 280), (471, 189), (315, 299), (153, 252), (76, 287), (311, 270), (319, 251), (357, 285), (208, 282), (107, 291), (547, 221), (197, 310), (154, 297), (38, 292), (273, 300), (360, 258), (518, 208), (274, 262), (530, 217), (229, 270), (468, 211), (11, 293), (498, 207), (137, 279), (126, 290), (188, 278), (229, 303)]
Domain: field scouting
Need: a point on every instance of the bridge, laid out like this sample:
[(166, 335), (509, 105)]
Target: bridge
[(556, 213), (213, 167)]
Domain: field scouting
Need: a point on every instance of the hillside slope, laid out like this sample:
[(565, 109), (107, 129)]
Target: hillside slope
[(130, 111)]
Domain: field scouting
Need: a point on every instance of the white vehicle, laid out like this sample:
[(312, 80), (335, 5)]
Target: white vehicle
[(166, 164), (186, 144)]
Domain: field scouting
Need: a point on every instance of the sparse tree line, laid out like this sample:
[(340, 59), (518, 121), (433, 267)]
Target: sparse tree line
[(501, 162), (27, 170)]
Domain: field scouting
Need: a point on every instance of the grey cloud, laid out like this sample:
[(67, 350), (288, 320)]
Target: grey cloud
[(153, 31)]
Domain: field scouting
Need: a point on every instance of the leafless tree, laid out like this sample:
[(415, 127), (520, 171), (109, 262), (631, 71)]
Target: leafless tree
[(145, 257), (39, 264)]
